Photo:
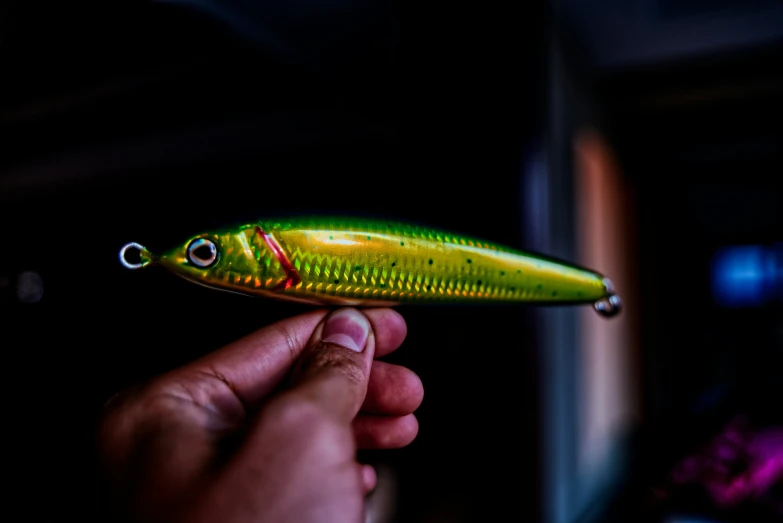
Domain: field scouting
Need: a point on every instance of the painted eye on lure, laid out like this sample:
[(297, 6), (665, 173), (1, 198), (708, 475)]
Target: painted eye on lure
[(202, 253), (372, 263)]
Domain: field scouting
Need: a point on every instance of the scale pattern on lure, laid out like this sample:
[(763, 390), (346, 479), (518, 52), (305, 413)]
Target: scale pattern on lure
[(350, 261)]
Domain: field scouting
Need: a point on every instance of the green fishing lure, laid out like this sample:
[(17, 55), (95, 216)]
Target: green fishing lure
[(360, 262)]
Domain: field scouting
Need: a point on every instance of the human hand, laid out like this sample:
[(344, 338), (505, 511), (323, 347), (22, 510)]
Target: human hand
[(266, 428)]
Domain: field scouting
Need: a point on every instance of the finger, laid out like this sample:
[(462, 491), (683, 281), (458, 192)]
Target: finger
[(326, 391), (382, 432), (253, 366), (334, 370), (389, 328), (369, 478), (393, 390)]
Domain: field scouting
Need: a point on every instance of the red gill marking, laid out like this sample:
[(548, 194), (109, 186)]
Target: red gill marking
[(292, 277)]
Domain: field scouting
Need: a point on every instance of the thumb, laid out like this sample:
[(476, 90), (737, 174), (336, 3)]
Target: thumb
[(334, 370)]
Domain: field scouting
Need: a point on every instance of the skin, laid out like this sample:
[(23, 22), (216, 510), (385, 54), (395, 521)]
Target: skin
[(266, 428)]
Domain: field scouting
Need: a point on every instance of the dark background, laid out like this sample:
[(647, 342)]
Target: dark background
[(692, 103), (700, 141), (143, 122), (146, 121)]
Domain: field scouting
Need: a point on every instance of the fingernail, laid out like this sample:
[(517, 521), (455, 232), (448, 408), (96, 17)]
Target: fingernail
[(348, 328)]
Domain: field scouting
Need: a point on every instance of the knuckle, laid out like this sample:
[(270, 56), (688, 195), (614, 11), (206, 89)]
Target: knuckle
[(119, 420), (162, 405), (113, 416), (338, 360), (289, 339)]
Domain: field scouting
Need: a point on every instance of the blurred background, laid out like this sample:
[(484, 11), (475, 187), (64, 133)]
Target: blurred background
[(638, 138)]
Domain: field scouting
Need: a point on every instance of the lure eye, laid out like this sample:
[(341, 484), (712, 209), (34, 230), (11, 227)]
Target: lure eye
[(202, 252)]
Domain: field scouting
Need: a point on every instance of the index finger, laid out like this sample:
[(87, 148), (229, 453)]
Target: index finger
[(255, 365)]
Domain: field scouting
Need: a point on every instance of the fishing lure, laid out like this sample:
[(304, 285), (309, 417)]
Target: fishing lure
[(360, 262)]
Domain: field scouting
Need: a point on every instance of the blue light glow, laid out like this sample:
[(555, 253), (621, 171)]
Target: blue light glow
[(747, 275)]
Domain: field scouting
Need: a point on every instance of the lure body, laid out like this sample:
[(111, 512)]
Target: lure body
[(350, 261)]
